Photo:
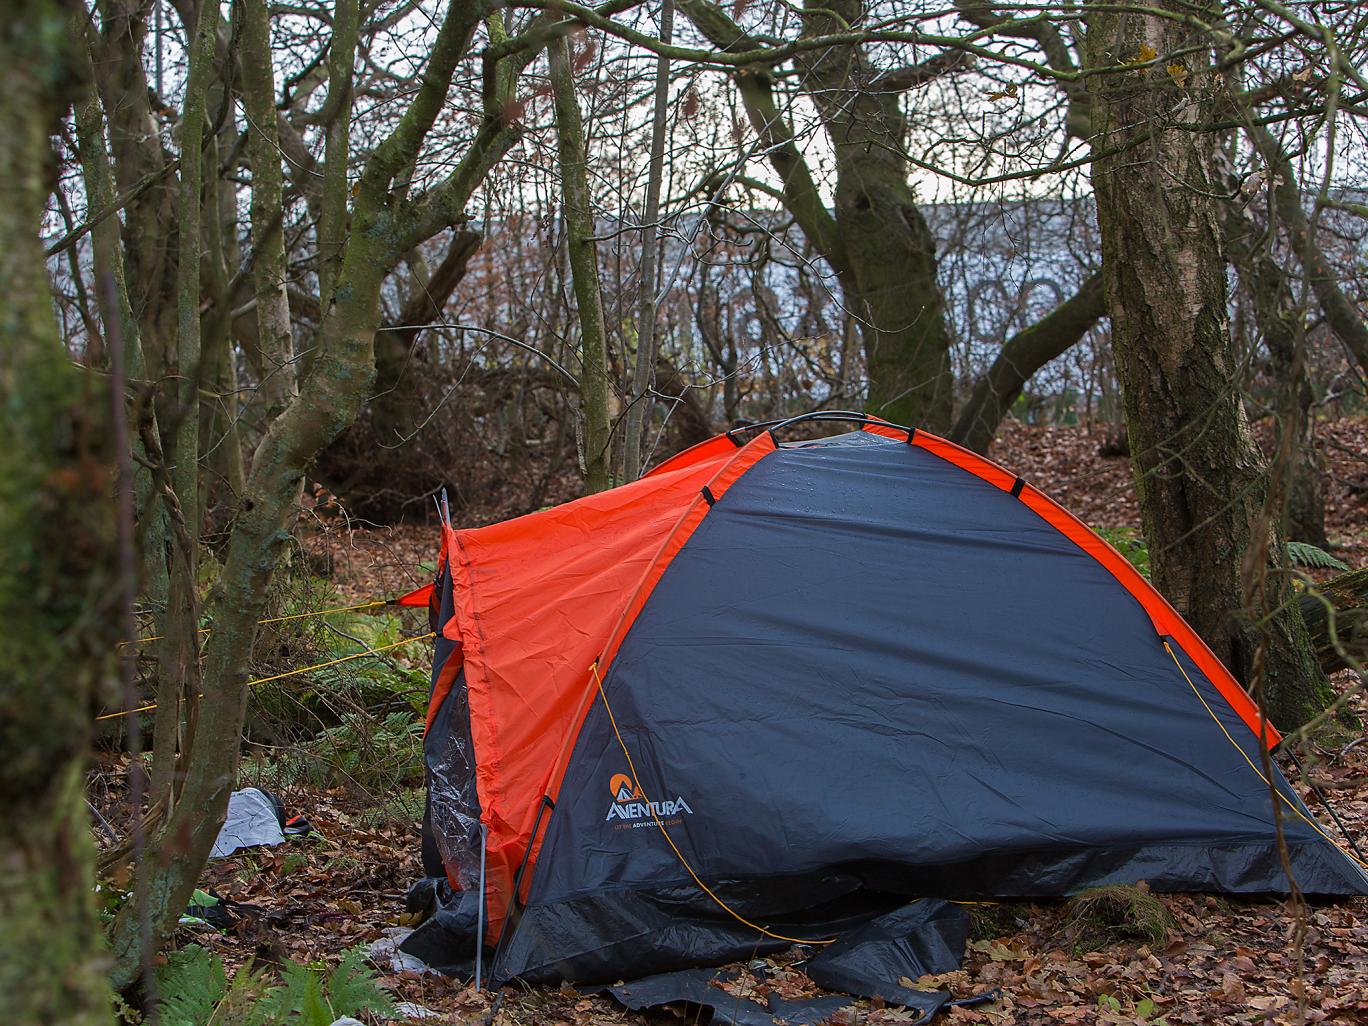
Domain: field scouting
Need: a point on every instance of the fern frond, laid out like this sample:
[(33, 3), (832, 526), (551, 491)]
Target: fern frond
[(193, 990), (1308, 555), (190, 986), (352, 989), (298, 998)]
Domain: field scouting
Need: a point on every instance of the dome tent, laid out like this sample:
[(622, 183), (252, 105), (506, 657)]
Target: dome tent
[(775, 688)]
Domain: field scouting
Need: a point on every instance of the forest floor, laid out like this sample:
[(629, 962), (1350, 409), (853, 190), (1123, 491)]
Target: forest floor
[(1219, 960)]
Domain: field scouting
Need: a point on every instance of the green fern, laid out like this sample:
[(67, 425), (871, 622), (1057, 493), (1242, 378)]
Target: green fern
[(194, 990), (299, 999), (305, 998), (1308, 555), (190, 986), (352, 989), (241, 1006)]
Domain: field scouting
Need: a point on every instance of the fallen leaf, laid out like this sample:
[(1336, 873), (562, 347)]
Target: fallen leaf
[(1233, 989)]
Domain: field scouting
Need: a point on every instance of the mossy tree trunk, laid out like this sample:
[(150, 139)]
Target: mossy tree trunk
[(179, 683), (397, 410), (57, 638), (877, 240), (638, 412), (1341, 313), (336, 115), (1020, 357), (141, 173), (583, 253), (385, 221), (270, 271), (1280, 321), (1336, 615), (1202, 482), (889, 251)]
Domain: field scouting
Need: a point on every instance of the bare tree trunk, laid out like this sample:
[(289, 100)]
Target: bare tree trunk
[(1201, 480), (221, 438), (178, 684), (1280, 323), (1340, 313), (372, 462), (394, 411), (140, 167), (98, 176), (878, 241), (579, 231), (890, 254), (1020, 357), (638, 413), (337, 111), (275, 347), (383, 226), (55, 645)]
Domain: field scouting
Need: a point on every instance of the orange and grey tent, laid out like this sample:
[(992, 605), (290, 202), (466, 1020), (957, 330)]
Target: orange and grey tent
[(778, 685)]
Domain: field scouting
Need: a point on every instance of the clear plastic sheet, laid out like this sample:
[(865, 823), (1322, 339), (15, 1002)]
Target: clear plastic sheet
[(454, 803)]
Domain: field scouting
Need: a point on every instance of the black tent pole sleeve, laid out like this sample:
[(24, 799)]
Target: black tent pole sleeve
[(831, 416), (515, 907)]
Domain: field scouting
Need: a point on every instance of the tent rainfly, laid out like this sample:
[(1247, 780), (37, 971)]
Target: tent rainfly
[(776, 688)]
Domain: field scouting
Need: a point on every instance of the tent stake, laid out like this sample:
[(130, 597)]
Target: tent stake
[(480, 916)]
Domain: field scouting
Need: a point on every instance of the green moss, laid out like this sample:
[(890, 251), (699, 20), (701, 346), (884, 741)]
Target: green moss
[(989, 920), (1104, 916)]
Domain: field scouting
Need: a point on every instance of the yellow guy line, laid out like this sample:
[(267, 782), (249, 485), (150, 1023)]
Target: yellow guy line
[(289, 673), (669, 840), (1258, 772), (279, 619)]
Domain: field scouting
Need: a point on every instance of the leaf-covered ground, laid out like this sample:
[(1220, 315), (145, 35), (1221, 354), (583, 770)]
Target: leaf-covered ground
[(1220, 961)]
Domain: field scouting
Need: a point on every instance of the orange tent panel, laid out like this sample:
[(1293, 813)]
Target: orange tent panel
[(537, 600)]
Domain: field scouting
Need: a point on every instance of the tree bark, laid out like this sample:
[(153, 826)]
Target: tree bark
[(1340, 312), (579, 240), (179, 670), (1021, 357), (337, 112), (1336, 615), (1279, 322), (57, 639), (275, 344), (1200, 479), (384, 225), (639, 410), (688, 415), (394, 409), (143, 169), (878, 241), (116, 308), (890, 253)]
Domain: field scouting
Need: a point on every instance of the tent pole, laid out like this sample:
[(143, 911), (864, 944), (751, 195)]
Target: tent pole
[(480, 915)]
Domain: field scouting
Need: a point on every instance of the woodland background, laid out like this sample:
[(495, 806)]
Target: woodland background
[(275, 273)]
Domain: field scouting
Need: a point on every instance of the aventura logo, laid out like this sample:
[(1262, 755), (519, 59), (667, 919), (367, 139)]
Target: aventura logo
[(631, 809)]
